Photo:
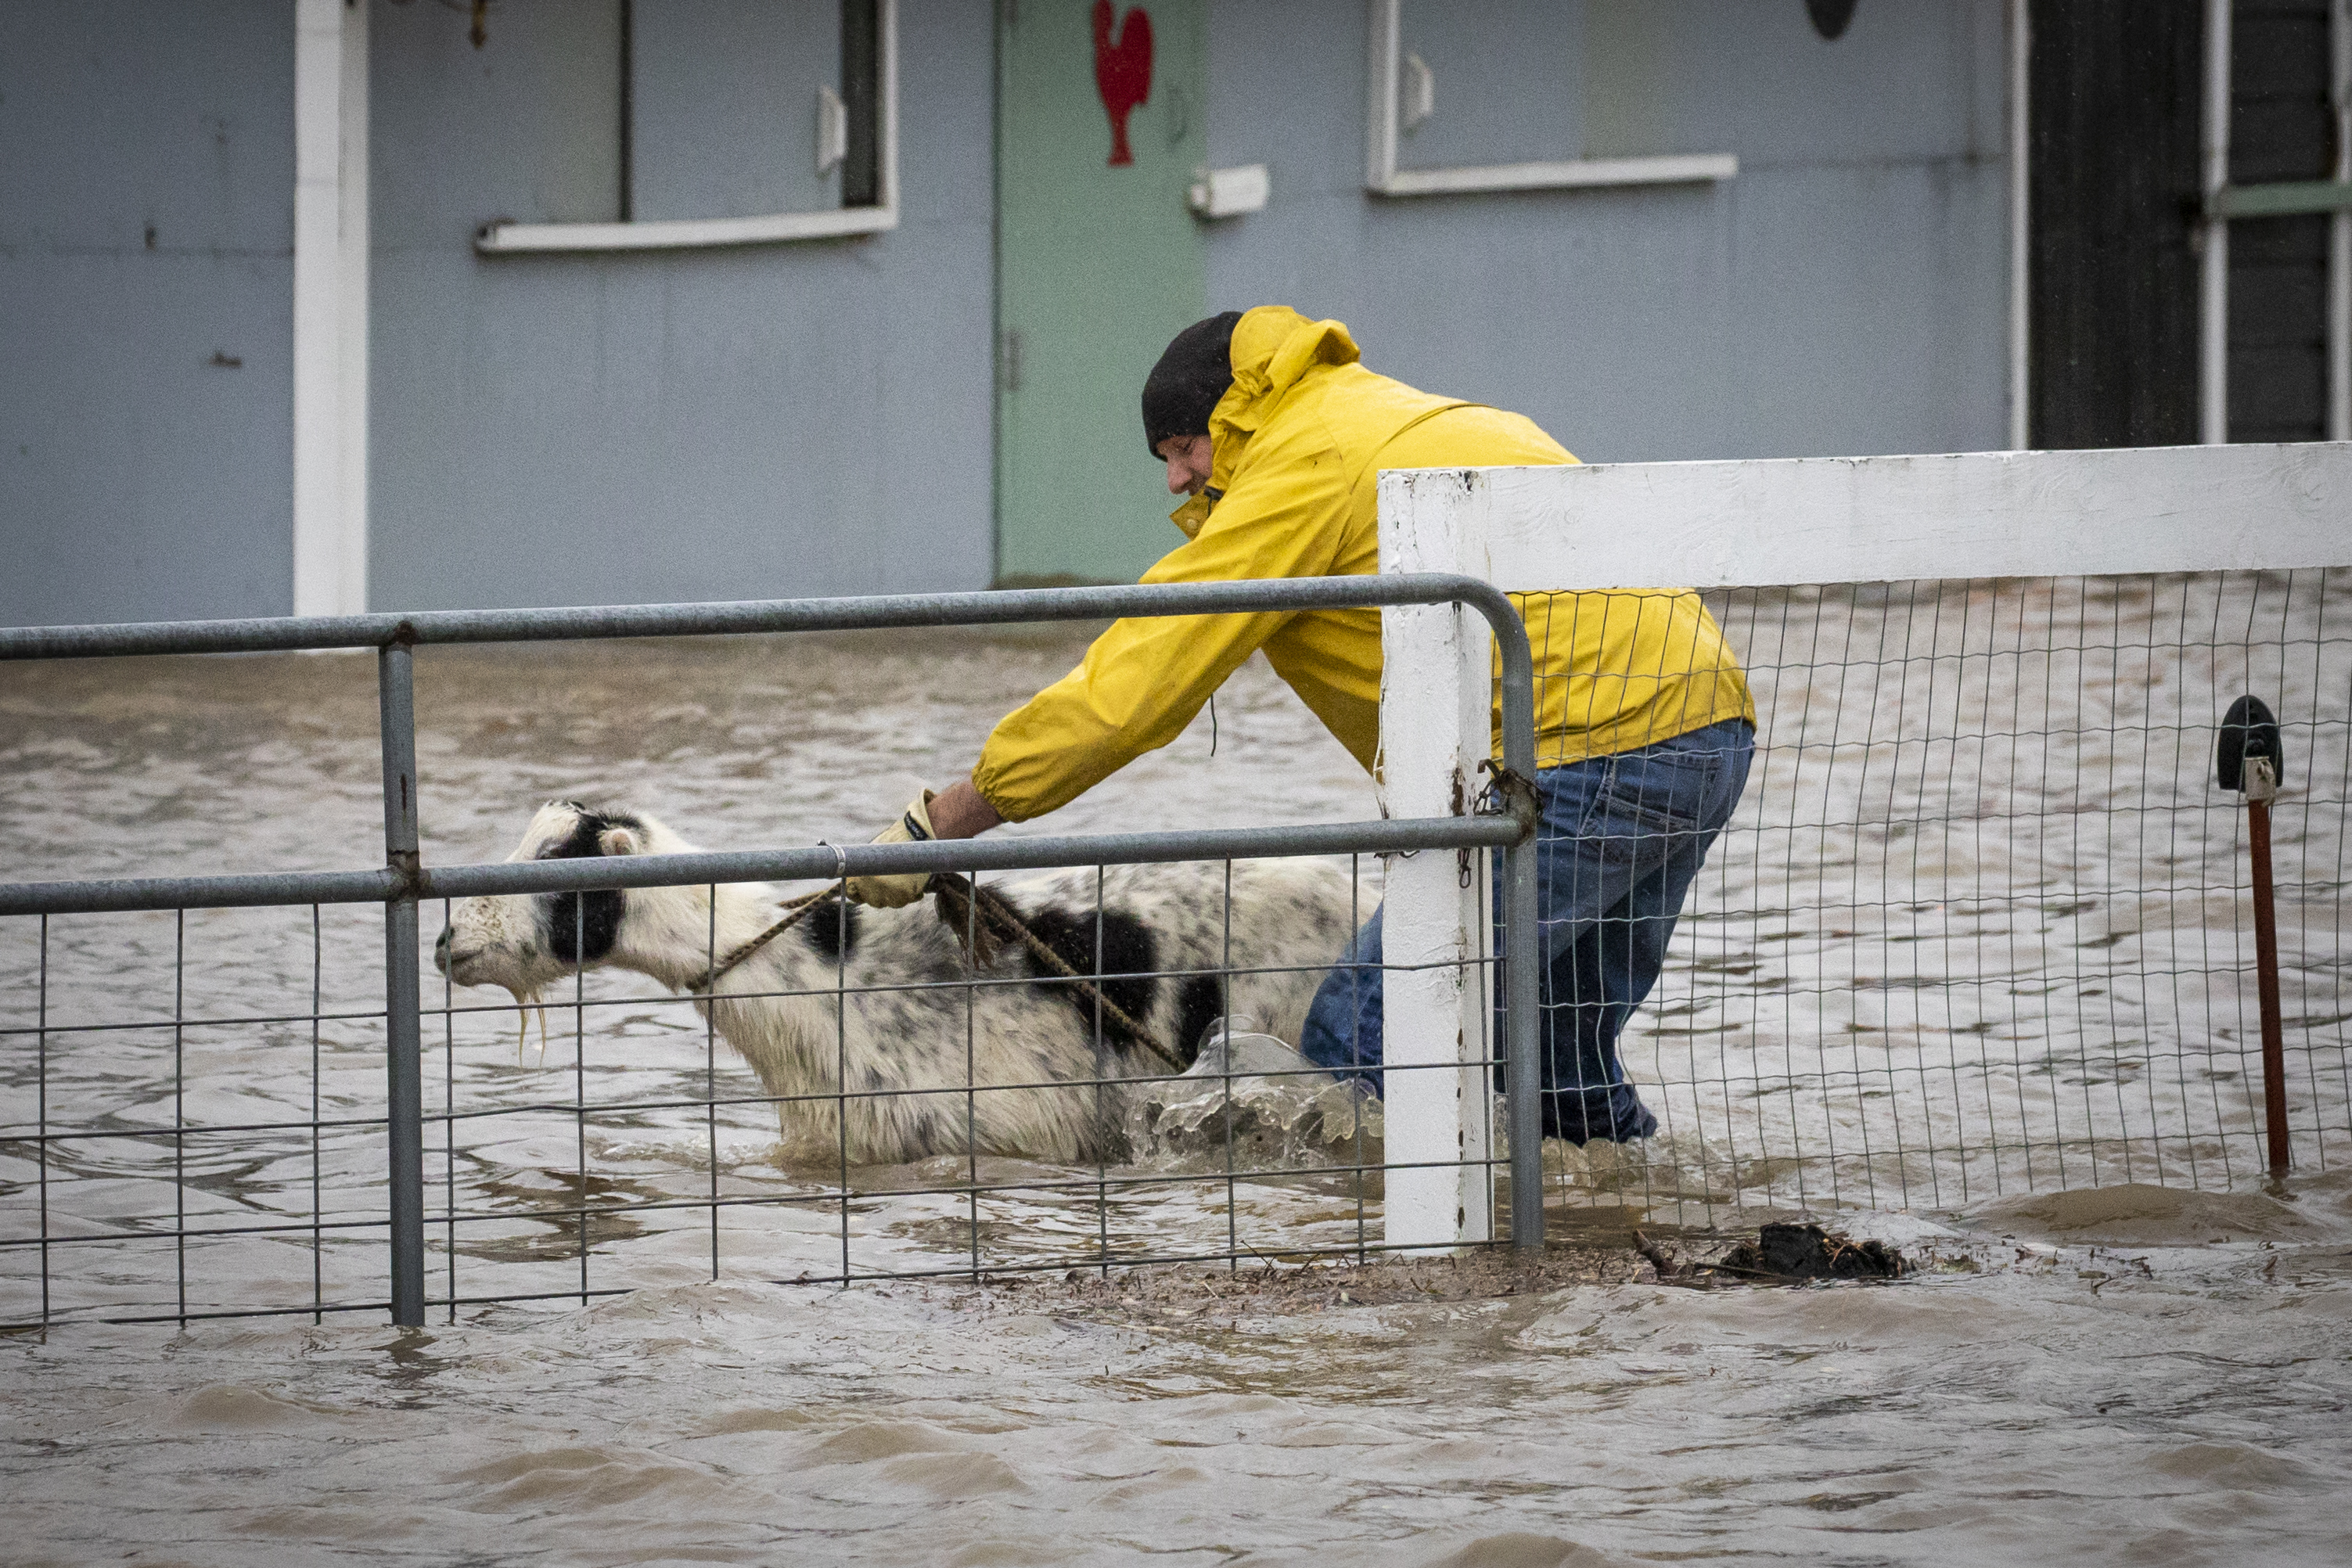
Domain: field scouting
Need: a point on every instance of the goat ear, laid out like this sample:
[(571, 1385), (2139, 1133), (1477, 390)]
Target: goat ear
[(617, 841)]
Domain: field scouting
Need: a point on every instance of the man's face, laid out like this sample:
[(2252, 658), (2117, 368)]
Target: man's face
[(1188, 458)]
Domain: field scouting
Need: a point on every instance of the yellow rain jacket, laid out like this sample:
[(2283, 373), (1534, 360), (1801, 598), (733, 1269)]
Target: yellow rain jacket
[(1300, 440)]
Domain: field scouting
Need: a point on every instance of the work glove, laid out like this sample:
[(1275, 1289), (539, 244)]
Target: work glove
[(895, 892)]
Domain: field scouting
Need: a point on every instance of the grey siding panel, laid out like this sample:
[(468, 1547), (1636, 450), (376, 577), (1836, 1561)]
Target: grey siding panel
[(816, 418), (765, 421), (1846, 294), (526, 127), (146, 217)]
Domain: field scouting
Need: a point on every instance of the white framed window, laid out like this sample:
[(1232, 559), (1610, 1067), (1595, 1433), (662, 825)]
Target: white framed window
[(1409, 96), (737, 130)]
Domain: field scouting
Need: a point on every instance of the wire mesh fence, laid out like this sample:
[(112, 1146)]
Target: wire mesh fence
[(833, 1112), (1982, 924), (1977, 926), (310, 1099), (194, 1117), (826, 1122)]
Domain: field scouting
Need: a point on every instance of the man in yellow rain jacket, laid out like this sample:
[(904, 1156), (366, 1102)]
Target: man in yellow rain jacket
[(1278, 436)]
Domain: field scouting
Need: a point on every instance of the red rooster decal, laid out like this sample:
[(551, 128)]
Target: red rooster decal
[(1122, 71)]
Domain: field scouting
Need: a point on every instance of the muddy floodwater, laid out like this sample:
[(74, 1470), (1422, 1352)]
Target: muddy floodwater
[(2133, 1374)]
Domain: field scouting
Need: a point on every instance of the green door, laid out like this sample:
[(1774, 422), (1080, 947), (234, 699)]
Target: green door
[(1098, 263)]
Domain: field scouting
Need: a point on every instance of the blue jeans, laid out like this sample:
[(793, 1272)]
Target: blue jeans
[(1620, 840)]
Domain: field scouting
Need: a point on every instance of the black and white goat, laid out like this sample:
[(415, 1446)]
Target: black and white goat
[(888, 996)]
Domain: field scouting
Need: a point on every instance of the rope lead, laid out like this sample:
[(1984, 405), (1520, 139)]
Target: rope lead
[(956, 898)]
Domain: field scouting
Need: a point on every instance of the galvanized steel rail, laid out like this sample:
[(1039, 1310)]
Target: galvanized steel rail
[(403, 881)]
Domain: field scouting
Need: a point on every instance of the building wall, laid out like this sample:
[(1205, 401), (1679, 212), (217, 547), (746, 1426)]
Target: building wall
[(146, 310), (764, 422), (816, 418), (1846, 293)]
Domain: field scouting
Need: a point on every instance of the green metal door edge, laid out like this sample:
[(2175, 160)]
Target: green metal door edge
[(1097, 266)]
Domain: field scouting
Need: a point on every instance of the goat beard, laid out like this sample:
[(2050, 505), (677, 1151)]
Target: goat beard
[(525, 1004)]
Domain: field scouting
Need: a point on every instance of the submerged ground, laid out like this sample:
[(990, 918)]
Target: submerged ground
[(2109, 1403), (2129, 1375)]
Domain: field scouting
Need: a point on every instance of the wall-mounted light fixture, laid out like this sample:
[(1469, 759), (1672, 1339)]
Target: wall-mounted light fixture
[(1228, 193)]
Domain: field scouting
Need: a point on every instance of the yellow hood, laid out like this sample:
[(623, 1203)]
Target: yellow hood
[(1275, 348)]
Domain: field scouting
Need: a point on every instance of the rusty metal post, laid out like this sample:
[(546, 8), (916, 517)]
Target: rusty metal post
[(2260, 787), (2250, 758)]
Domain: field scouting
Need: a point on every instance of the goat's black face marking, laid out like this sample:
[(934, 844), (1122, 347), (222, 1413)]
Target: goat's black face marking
[(832, 929), (1129, 958), (588, 826), (581, 935), (580, 927)]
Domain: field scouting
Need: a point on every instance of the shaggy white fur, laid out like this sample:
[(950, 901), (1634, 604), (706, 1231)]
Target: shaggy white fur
[(936, 1055)]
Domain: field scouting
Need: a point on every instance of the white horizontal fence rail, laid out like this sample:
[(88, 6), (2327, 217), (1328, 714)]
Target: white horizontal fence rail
[(1902, 519), (1949, 525)]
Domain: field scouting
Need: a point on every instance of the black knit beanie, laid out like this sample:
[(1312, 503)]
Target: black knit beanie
[(1182, 389)]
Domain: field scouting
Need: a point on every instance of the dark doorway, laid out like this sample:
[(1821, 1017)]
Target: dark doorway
[(2113, 111), (2281, 127)]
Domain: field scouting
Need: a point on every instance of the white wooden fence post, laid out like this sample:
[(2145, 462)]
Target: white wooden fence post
[(1438, 659)]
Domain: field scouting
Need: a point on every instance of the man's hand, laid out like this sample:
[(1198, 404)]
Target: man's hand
[(897, 892), (960, 811)]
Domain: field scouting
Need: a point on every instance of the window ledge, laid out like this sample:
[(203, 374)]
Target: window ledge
[(684, 233), (1572, 174)]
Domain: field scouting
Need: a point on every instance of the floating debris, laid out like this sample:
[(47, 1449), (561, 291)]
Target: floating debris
[(1218, 1294), (1781, 1254)]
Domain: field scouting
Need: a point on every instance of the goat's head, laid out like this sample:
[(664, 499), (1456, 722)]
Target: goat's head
[(526, 942)]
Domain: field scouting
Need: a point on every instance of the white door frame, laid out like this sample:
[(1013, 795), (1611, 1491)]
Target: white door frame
[(330, 307)]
